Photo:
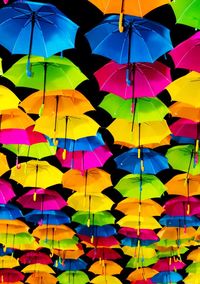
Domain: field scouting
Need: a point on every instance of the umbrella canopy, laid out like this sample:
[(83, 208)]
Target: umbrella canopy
[(71, 264), (8, 99), (136, 44), (11, 275), (8, 261), (187, 111), (104, 279), (16, 240), (145, 234), (166, 277), (35, 257), (10, 212), (103, 253), (186, 127), (133, 221), (12, 227), (96, 231), (99, 218), (4, 167), (108, 267), (42, 278), (194, 255), (51, 217), (142, 274), (36, 173), (37, 267), (182, 206), (76, 277), (167, 264), (107, 242), (6, 191), (53, 232), (193, 268), (179, 221), (144, 80)]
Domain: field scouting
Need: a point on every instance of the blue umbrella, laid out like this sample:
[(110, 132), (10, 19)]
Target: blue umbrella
[(183, 140), (83, 144), (143, 40), (96, 231), (166, 277), (133, 242), (149, 162), (9, 212), (48, 217), (179, 221), (35, 28), (71, 264)]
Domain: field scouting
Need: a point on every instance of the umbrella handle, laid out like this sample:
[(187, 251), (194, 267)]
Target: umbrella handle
[(121, 28)]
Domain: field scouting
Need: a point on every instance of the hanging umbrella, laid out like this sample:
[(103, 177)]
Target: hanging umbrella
[(8, 99), (108, 267), (142, 274), (106, 242), (65, 244), (179, 221), (194, 255), (171, 251), (71, 264), (137, 242), (96, 231), (8, 261), (186, 127), (191, 278), (53, 232), (182, 206), (68, 254), (140, 186), (4, 167), (193, 268), (150, 162), (184, 54), (37, 267), (46, 200), (187, 14), (104, 279), (133, 221), (74, 277), (187, 111), (84, 160), (145, 234), (144, 80), (103, 253), (184, 184), (32, 257), (92, 181), (6, 191), (36, 173), (20, 241), (140, 252), (141, 262), (42, 278), (137, 134), (13, 226), (11, 275), (99, 218), (47, 217), (10, 212), (166, 277), (143, 40), (167, 264)]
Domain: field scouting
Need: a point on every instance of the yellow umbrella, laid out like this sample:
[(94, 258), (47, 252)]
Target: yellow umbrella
[(172, 233), (188, 84), (36, 174), (15, 118), (12, 227), (41, 278), (194, 255), (132, 206), (191, 278), (184, 184), (4, 167), (139, 252), (37, 267), (53, 232), (106, 267), (8, 99), (71, 127), (133, 221), (8, 261), (142, 274), (187, 111), (60, 102), (105, 280), (142, 133), (91, 181)]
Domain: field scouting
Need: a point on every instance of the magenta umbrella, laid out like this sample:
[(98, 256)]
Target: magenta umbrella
[(6, 191), (144, 234), (84, 160), (11, 275), (182, 206), (46, 199), (168, 264), (147, 80), (32, 257), (21, 136), (186, 54), (186, 128)]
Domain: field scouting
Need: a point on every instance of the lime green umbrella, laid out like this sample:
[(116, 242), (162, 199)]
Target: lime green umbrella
[(18, 241), (38, 151), (73, 277), (99, 218), (141, 262), (147, 109), (168, 242), (65, 244), (193, 268), (187, 12), (184, 158), (142, 186), (170, 251)]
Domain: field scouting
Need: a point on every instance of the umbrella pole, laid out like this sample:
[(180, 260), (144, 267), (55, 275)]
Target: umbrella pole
[(36, 177), (44, 89), (28, 66), (86, 176), (64, 154), (56, 115), (121, 15)]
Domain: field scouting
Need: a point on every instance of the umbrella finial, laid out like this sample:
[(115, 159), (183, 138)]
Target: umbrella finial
[(28, 69), (64, 154)]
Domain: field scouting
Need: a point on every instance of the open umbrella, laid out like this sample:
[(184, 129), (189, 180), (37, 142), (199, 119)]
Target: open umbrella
[(16, 240), (8, 99), (48, 217), (135, 222), (6, 191), (11, 275), (32, 257), (137, 43), (187, 128), (187, 111), (37, 267), (96, 231), (95, 242), (103, 254), (99, 218), (53, 232), (71, 264), (42, 278), (179, 221), (71, 244), (182, 206), (194, 255), (104, 279), (166, 277), (4, 167), (167, 264), (10, 212), (108, 267), (74, 277), (8, 261), (142, 274)]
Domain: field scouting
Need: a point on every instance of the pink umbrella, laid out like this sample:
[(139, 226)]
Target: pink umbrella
[(186, 128), (147, 79), (186, 54), (46, 199), (84, 160), (182, 206), (168, 264), (21, 136), (145, 234), (6, 191), (99, 241), (147, 281)]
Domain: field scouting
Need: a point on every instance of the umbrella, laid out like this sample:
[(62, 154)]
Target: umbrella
[(150, 162), (166, 277), (167, 264), (108, 267), (66, 254), (36, 173), (6, 191), (182, 206), (9, 212), (167, 234), (194, 255), (186, 127), (46, 200), (133, 221), (8, 99), (143, 40), (184, 54), (184, 184), (11, 275), (32, 257), (12, 227), (140, 186), (187, 14), (193, 268), (171, 251), (137, 134), (146, 80), (16, 240), (71, 264), (53, 232), (191, 278), (142, 274), (179, 221), (145, 234), (4, 167), (99, 218), (84, 160), (183, 110), (74, 277), (37, 267), (92, 181), (104, 279), (65, 244), (48, 217), (96, 231), (141, 262), (140, 252), (103, 254), (106, 242), (8, 261), (42, 278), (137, 242)]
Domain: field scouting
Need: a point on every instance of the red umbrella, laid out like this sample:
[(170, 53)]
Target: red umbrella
[(182, 206), (103, 253), (168, 264), (10, 275), (99, 241), (32, 257), (6, 191), (144, 234), (46, 199)]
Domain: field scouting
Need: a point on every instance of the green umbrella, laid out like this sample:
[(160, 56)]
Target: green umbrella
[(193, 268), (184, 158), (168, 242), (141, 262), (73, 277), (187, 12), (171, 251), (147, 109), (142, 186), (99, 218), (66, 244), (38, 151), (18, 241)]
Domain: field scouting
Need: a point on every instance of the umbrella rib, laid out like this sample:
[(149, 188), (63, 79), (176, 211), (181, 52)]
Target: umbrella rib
[(186, 9)]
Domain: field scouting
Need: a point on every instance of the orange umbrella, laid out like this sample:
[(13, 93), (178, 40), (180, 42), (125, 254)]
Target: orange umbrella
[(15, 118), (4, 167), (41, 278), (106, 267), (68, 254), (179, 109), (53, 232), (142, 274)]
